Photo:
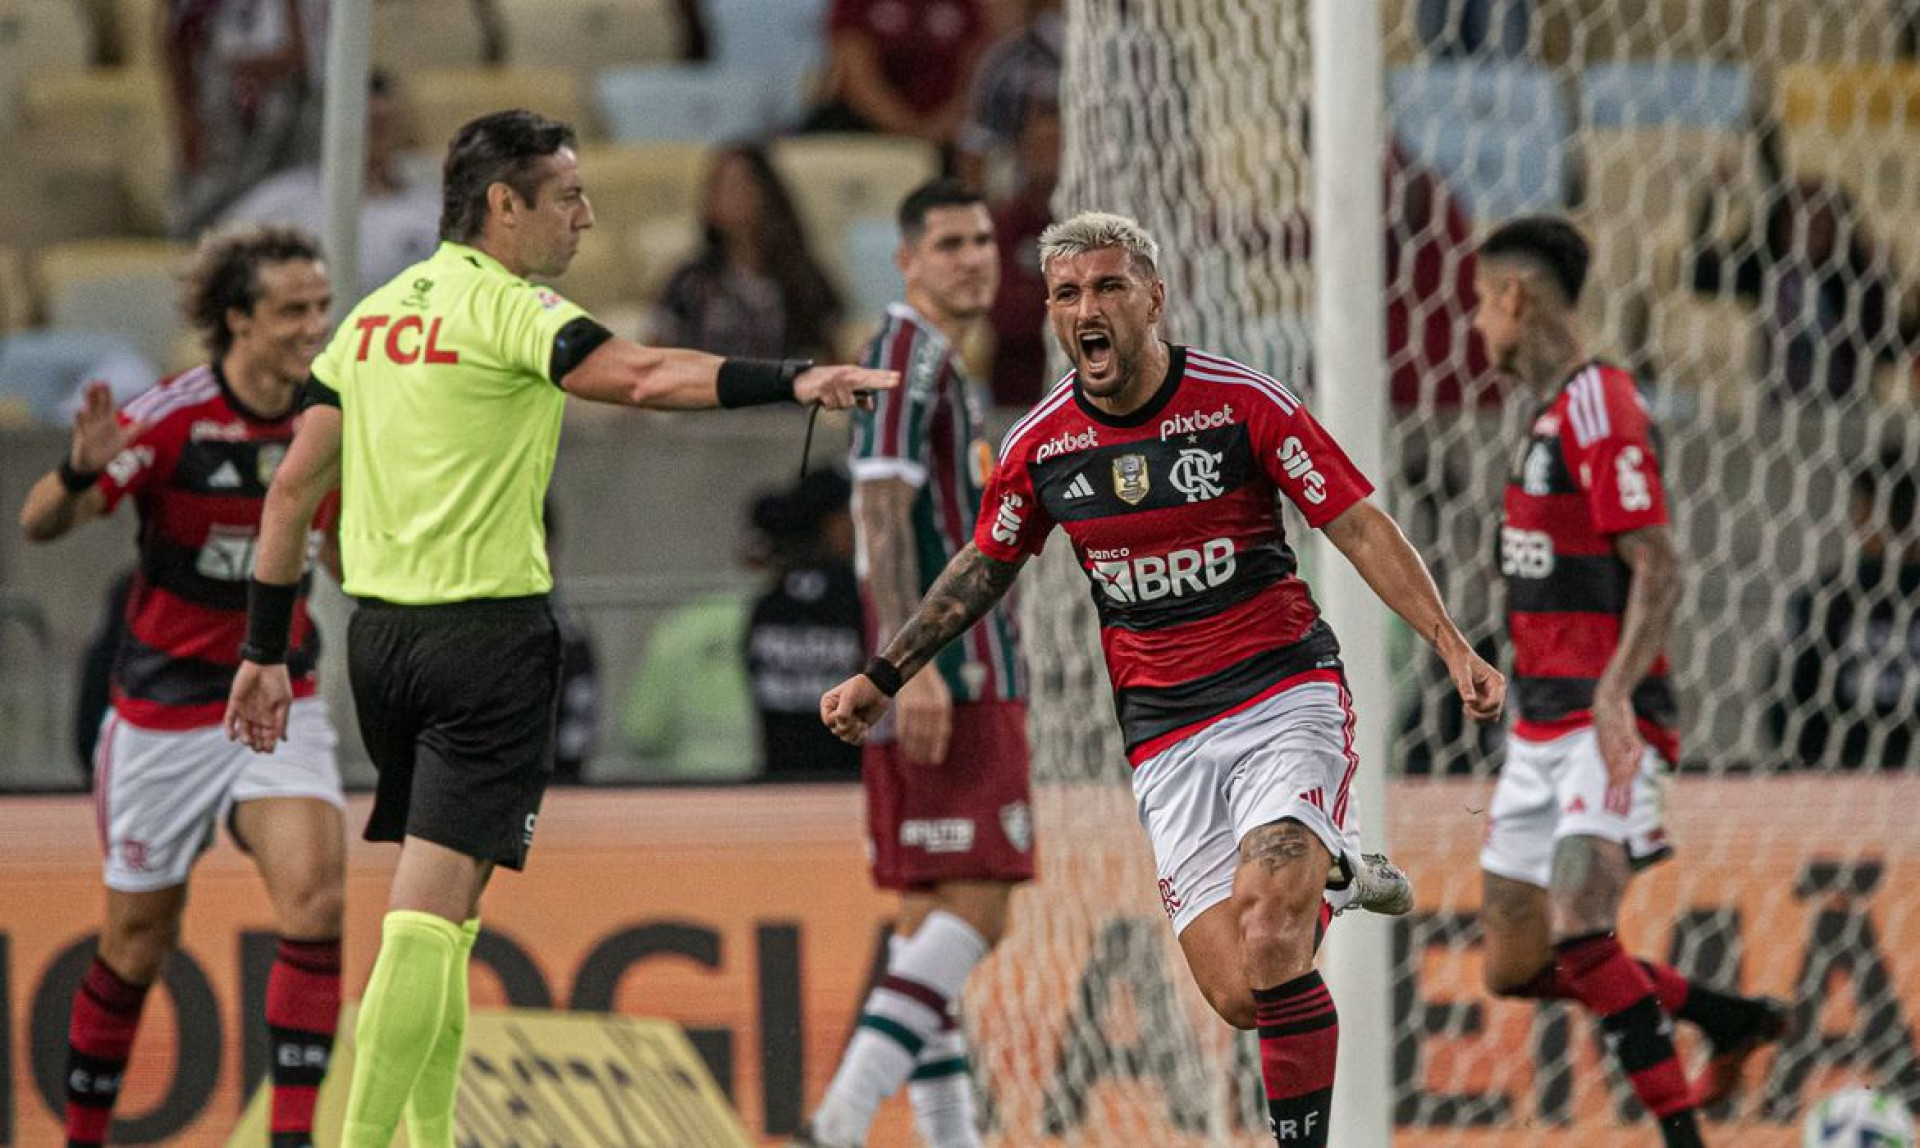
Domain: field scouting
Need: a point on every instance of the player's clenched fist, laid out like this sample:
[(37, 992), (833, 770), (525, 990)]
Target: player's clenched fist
[(837, 388), (851, 708)]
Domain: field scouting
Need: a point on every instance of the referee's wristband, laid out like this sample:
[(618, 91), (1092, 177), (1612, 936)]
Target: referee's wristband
[(269, 622), (72, 480), (756, 382), (884, 675)]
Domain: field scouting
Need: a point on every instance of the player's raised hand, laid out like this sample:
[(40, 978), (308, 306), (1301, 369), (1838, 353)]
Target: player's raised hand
[(98, 434), (1483, 689), (257, 706), (1621, 747), (923, 717), (837, 388), (851, 708)]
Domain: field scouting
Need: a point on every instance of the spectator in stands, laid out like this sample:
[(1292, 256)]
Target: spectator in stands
[(1824, 286), (578, 725), (245, 81), (1018, 77), (805, 634), (754, 289), (1851, 686), (399, 221), (1465, 27), (901, 67), (1018, 318), (1431, 354)]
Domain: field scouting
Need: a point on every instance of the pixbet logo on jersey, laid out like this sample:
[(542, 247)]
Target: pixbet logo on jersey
[(1067, 444), (1176, 574), (1194, 423)]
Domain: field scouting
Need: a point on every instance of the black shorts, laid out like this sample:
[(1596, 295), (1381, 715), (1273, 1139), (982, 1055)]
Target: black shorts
[(456, 705)]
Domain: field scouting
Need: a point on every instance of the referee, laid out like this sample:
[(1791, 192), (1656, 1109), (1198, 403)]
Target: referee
[(436, 410)]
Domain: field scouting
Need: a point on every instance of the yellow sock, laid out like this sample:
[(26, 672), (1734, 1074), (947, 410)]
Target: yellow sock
[(430, 1107), (400, 1019)]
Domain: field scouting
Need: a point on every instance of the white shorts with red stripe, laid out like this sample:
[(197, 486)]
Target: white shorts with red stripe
[(1550, 790), (158, 795), (1289, 757)]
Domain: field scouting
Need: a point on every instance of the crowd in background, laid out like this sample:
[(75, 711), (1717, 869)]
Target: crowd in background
[(979, 80)]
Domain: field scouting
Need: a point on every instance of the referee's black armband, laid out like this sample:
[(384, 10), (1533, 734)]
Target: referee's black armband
[(756, 382), (318, 394), (884, 675), (269, 622), (75, 481), (576, 340)]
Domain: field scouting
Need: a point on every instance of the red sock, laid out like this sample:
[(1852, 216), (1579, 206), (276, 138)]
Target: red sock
[(1672, 988), (1639, 1033), (303, 1008), (106, 1014), (1299, 1035)]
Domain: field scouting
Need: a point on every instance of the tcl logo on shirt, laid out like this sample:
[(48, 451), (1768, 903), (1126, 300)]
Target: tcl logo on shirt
[(1178, 573), (1298, 465), (408, 340)]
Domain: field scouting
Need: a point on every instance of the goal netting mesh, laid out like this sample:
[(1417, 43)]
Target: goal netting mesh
[(1749, 174)]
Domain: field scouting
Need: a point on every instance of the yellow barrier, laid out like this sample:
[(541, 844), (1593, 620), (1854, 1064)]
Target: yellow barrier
[(587, 1081)]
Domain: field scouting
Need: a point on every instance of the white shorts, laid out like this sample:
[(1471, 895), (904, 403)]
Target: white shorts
[(1289, 757), (159, 794), (1554, 789)]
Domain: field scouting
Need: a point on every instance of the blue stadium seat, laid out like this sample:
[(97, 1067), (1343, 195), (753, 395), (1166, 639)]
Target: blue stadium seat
[(785, 44), (872, 279), (44, 370), (1497, 130), (1690, 93), (674, 102)]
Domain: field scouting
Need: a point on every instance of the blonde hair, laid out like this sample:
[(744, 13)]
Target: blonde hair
[(1094, 230)]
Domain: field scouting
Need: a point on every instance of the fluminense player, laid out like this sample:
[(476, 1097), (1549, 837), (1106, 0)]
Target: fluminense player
[(1163, 464)]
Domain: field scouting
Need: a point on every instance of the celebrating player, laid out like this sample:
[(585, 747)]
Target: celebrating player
[(437, 408), (1162, 464), (196, 454), (1592, 580), (918, 465)]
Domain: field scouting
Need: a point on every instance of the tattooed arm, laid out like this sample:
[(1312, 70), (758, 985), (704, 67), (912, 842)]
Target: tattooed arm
[(961, 596), (923, 709), (1653, 594), (964, 592)]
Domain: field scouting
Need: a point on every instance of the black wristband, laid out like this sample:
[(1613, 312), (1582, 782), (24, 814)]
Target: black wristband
[(756, 382), (75, 481), (884, 675), (269, 622)]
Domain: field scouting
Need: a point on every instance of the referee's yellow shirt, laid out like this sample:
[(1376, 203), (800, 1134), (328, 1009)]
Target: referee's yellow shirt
[(450, 424)]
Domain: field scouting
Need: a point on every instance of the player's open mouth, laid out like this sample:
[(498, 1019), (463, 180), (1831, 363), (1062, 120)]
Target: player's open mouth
[(1096, 352)]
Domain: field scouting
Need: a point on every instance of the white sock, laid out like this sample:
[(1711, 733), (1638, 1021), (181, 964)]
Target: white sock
[(942, 1091), (904, 1011)]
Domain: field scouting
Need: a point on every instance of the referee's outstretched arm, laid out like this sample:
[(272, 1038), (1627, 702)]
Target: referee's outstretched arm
[(669, 378)]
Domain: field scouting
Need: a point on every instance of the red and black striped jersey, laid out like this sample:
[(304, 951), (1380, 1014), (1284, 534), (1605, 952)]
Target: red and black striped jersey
[(929, 434), (1590, 470), (1173, 514), (198, 476)]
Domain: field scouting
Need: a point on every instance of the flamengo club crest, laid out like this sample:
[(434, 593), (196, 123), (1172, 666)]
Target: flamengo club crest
[(268, 461), (1130, 479), (1196, 474)]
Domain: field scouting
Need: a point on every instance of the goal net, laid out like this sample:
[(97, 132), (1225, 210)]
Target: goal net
[(1749, 174)]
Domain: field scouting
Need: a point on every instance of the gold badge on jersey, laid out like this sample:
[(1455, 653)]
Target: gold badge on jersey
[(268, 460), (1130, 478)]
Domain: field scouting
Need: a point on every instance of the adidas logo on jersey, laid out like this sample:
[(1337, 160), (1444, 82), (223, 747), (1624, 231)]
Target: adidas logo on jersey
[(1080, 487), (225, 478)]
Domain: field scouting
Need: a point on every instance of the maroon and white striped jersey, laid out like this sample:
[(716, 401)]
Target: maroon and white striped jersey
[(198, 476), (1589, 470), (1172, 513)]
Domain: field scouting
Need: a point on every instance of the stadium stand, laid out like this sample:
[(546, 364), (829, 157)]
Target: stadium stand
[(680, 102), (116, 116), (1517, 162), (125, 286), (836, 179), (37, 38), (872, 279), (442, 99), (635, 183), (591, 35), (414, 34), (783, 46)]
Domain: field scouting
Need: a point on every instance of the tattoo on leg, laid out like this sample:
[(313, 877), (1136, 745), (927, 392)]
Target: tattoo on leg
[(1276, 846), (1589, 879)]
